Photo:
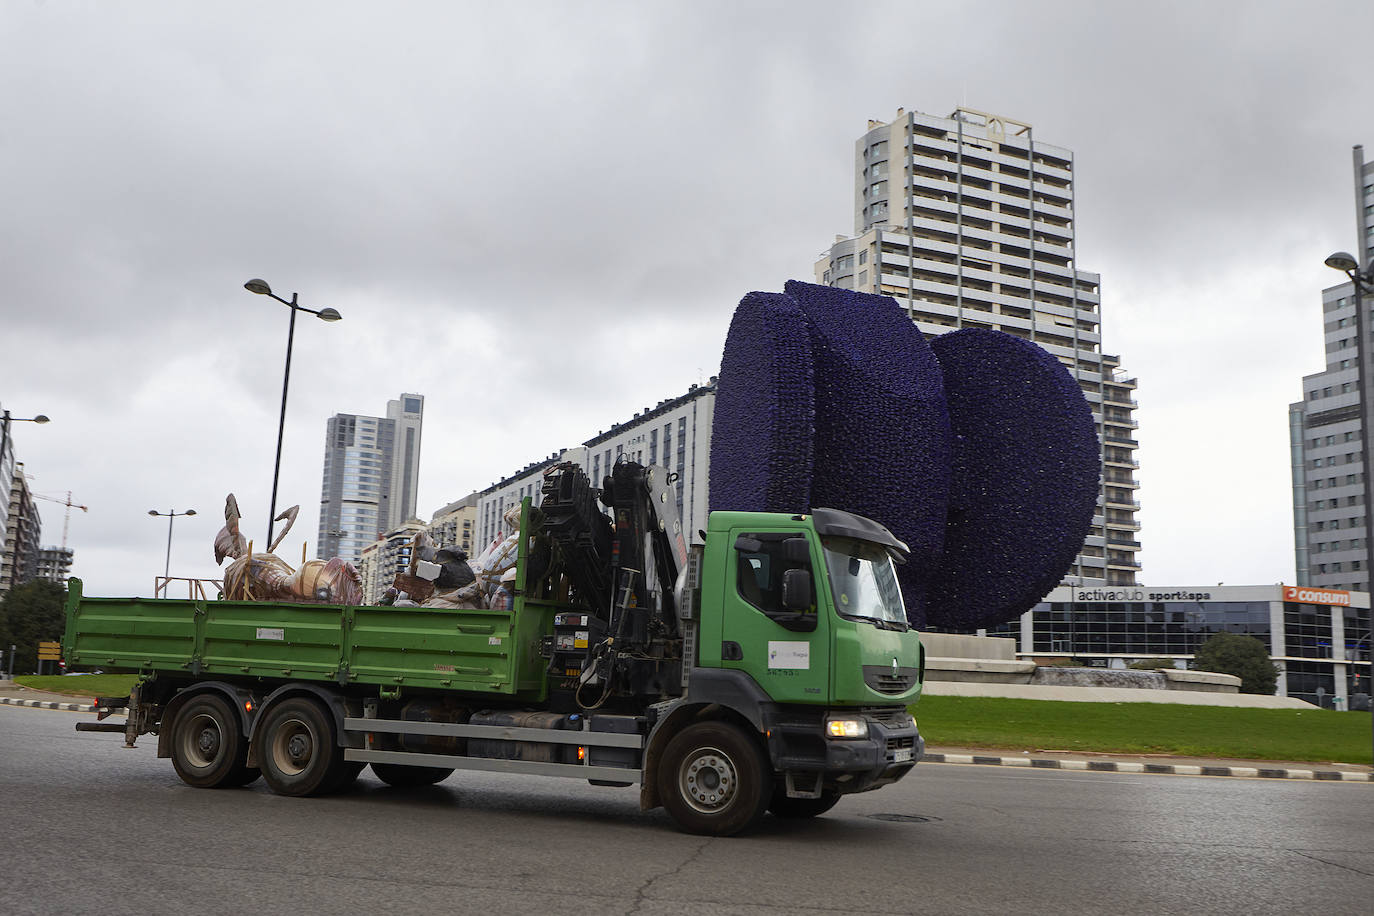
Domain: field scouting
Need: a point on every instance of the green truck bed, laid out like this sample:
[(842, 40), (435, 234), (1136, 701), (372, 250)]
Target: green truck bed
[(434, 648)]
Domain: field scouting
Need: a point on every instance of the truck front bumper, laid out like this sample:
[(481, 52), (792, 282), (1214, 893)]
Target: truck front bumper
[(892, 746)]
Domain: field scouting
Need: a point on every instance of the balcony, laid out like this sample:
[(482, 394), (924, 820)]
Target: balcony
[(1117, 540)]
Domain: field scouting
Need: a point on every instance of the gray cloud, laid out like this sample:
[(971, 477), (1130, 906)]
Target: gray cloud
[(542, 219)]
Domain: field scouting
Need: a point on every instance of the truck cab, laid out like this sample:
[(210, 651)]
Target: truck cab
[(801, 632)]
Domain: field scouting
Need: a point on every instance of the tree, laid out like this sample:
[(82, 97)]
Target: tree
[(1242, 656), (32, 613)]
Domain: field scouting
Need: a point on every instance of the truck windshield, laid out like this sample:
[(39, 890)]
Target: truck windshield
[(864, 583)]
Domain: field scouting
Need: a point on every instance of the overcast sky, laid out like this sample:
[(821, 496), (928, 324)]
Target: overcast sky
[(542, 219)]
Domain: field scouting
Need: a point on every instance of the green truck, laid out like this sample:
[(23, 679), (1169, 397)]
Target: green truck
[(768, 667)]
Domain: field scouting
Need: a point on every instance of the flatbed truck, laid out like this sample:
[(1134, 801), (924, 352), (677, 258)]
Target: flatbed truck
[(769, 667)]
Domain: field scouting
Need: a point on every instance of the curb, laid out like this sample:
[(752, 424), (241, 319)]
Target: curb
[(46, 704), (1128, 766)]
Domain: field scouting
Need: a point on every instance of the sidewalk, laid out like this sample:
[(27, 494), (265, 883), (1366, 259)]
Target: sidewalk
[(1154, 764)]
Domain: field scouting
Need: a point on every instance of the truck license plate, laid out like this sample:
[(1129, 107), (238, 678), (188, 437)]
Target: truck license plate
[(901, 755)]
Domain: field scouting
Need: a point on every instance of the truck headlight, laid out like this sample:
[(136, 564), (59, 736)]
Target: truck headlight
[(846, 728)]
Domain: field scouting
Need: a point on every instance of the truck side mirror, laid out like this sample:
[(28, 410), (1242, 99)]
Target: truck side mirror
[(797, 550), (796, 589)]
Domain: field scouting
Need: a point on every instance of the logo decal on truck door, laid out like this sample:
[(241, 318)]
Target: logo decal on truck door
[(784, 654)]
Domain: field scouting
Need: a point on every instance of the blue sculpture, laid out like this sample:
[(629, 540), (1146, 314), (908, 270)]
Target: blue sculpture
[(978, 449)]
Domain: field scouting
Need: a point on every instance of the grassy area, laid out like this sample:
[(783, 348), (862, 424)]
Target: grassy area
[(86, 685), (1314, 735)]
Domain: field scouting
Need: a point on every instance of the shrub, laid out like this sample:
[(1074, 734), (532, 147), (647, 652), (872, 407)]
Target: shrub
[(1151, 664), (1242, 656)]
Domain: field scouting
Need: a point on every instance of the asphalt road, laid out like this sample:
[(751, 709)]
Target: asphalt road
[(91, 827)]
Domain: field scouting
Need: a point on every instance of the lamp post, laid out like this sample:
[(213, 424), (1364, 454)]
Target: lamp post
[(171, 517), (5, 422), (8, 482), (1362, 281), (262, 289)]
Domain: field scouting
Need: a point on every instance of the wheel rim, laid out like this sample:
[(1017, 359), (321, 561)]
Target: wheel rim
[(202, 741), (708, 780), (293, 747)]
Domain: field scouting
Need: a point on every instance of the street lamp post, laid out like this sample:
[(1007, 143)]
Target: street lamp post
[(7, 482), (261, 288), (1362, 281), (171, 517), (6, 420)]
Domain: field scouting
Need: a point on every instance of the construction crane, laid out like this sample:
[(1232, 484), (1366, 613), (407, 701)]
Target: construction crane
[(66, 522)]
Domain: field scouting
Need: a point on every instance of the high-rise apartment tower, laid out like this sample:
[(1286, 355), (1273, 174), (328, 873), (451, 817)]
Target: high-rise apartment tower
[(968, 221), (371, 472), (1329, 515)]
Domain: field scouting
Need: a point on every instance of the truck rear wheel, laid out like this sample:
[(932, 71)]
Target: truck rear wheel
[(406, 777), (208, 747), (713, 779), (297, 751)]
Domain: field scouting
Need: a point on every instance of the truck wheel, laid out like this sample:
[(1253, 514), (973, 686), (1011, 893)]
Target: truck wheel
[(713, 779), (297, 751), (782, 806), (208, 747), (406, 777)]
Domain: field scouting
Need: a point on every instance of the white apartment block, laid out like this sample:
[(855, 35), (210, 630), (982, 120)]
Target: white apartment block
[(674, 434), (968, 221), (1329, 515), (384, 558), (455, 525)]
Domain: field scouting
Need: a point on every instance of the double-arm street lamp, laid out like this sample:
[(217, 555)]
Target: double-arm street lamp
[(171, 517), (261, 288), (1363, 282)]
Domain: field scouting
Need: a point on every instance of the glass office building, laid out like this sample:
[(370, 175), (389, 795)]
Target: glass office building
[(1320, 638)]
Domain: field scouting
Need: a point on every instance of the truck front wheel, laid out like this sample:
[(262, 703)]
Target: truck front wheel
[(297, 751), (713, 779), (208, 747)]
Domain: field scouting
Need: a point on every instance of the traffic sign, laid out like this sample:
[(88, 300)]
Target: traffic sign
[(49, 651)]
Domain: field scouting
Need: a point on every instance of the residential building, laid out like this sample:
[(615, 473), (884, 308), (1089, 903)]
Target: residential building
[(384, 558), (674, 434), (371, 474), (968, 221), (455, 525), (23, 530), (55, 564), (1329, 513), (1319, 638)]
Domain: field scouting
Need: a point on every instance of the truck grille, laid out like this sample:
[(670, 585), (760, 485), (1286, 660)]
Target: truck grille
[(895, 716), (881, 678)]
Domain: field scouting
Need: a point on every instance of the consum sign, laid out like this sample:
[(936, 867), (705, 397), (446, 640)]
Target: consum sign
[(1315, 595)]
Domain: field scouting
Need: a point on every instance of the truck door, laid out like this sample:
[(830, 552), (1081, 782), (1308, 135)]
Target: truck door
[(772, 623)]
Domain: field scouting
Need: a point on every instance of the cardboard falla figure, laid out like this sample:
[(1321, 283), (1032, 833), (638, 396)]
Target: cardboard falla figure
[(267, 577)]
